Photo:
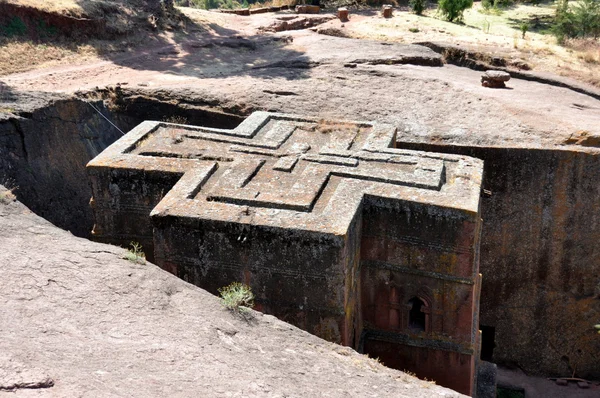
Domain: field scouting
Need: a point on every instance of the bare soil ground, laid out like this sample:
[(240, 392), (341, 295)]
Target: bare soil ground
[(44, 33), (495, 33), (77, 320), (305, 72), (490, 33)]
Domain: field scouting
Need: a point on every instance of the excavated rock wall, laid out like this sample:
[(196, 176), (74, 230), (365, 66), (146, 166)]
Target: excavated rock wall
[(43, 154), (540, 257), (46, 141)]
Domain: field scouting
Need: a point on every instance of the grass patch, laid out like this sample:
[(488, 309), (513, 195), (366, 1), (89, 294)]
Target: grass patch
[(8, 195), (135, 254), (237, 297)]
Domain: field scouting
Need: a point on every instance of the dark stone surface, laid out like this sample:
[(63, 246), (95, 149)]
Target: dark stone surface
[(44, 146), (487, 376), (540, 257)]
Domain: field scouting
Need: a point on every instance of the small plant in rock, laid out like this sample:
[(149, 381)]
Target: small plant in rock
[(7, 196), (135, 254), (237, 297), (524, 28)]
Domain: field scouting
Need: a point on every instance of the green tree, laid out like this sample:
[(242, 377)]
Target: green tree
[(452, 10), (586, 15), (418, 6), (581, 20)]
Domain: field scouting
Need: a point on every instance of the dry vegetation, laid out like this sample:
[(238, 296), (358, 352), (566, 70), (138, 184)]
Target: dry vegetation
[(495, 33), (116, 27), (71, 7)]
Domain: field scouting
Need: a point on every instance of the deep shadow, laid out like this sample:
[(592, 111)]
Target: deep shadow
[(193, 49), (541, 23)]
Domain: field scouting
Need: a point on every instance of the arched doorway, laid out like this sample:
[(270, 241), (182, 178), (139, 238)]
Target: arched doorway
[(416, 315)]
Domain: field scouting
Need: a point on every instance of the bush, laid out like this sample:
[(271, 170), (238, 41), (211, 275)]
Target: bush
[(452, 10), (418, 6), (487, 4), (236, 297), (524, 28), (586, 15), (14, 27), (581, 20)]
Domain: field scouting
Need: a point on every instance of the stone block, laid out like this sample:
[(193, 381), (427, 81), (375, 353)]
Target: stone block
[(387, 10), (583, 384), (306, 9), (494, 79), (343, 14), (335, 229)]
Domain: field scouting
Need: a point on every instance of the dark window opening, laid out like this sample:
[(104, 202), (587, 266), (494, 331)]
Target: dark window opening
[(416, 317), (488, 342)]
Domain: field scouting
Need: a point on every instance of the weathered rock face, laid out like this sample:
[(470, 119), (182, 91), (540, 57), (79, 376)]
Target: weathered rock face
[(47, 139), (78, 320), (44, 152), (337, 231), (540, 256)]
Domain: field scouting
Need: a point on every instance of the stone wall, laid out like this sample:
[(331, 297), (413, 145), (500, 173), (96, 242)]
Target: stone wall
[(44, 153), (540, 256), (295, 275), (410, 250)]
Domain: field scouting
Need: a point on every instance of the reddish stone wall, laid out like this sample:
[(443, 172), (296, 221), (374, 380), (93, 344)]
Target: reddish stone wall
[(447, 368), (540, 256), (409, 250)]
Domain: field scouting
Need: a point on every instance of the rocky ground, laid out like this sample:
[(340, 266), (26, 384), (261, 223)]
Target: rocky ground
[(77, 320), (306, 72)]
